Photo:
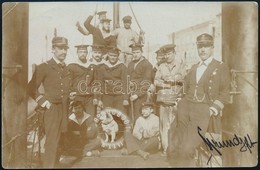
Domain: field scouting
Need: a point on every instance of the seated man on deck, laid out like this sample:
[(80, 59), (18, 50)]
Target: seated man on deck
[(81, 138), (145, 137)]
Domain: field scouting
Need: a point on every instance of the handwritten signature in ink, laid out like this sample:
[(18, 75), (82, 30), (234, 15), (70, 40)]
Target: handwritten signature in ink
[(245, 143)]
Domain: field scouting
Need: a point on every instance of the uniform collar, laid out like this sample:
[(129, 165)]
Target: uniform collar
[(141, 59), (110, 65), (57, 61), (73, 118), (206, 62), (83, 64), (97, 63)]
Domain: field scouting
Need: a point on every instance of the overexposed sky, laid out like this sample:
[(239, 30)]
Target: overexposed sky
[(157, 19)]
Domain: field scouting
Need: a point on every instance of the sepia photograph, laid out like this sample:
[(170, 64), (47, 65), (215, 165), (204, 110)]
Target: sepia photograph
[(129, 84)]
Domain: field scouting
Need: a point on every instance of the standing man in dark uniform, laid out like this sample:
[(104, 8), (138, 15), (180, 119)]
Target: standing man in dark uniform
[(101, 35), (101, 17), (113, 75), (82, 77), (206, 91), (56, 80), (97, 61), (140, 72)]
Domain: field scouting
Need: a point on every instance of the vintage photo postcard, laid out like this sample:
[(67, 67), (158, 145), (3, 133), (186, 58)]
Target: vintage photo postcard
[(129, 84)]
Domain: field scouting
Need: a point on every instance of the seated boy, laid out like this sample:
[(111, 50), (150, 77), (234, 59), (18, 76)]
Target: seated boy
[(145, 137)]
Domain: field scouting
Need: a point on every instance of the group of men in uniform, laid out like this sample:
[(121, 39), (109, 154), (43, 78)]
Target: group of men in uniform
[(123, 82)]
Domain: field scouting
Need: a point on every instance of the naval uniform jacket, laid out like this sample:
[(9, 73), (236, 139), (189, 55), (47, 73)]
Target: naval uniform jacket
[(56, 82), (82, 78), (80, 134), (96, 86), (142, 75), (114, 79), (214, 85)]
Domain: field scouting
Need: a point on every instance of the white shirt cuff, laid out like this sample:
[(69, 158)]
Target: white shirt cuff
[(215, 112)]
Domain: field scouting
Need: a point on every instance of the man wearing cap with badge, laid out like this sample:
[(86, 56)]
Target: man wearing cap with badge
[(145, 137), (168, 85), (140, 74), (82, 77), (160, 58), (56, 80), (206, 91), (113, 75), (102, 34), (124, 38), (97, 52)]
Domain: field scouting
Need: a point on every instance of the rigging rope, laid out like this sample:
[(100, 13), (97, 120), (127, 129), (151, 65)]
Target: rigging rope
[(141, 38), (96, 15), (134, 16)]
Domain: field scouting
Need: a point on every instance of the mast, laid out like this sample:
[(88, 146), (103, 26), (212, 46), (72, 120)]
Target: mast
[(115, 14)]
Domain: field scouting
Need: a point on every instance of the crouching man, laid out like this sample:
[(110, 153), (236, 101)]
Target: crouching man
[(81, 138), (145, 137)]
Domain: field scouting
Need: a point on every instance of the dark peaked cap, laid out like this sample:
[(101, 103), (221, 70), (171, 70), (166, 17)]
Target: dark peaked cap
[(82, 46), (98, 47), (127, 18), (60, 42), (205, 39), (160, 51), (113, 50), (136, 46), (168, 47), (147, 104), (101, 13)]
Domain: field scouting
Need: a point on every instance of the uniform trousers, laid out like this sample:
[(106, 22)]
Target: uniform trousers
[(114, 101), (167, 116), (150, 145), (92, 144), (190, 116), (80, 148), (55, 122)]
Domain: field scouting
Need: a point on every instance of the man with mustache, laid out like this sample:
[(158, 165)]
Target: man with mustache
[(56, 80), (140, 71), (113, 75), (206, 89), (95, 64), (82, 77)]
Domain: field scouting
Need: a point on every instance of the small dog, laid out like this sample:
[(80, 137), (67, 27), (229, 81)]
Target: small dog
[(109, 125)]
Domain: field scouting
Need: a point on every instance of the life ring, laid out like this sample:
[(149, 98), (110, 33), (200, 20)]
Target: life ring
[(120, 119)]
